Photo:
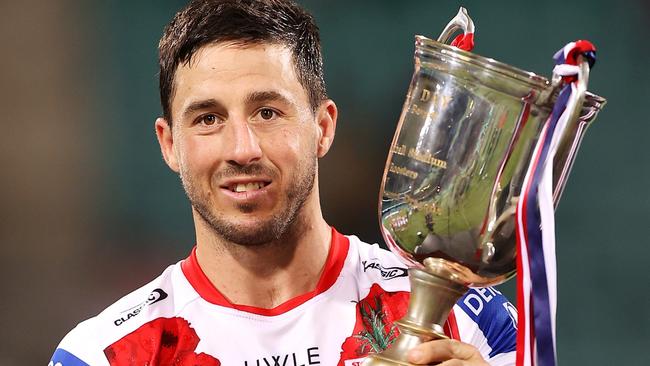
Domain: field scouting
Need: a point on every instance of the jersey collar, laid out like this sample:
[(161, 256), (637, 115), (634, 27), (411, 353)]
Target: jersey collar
[(333, 265)]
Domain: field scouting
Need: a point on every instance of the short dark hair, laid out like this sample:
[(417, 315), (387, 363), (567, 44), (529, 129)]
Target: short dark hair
[(247, 22)]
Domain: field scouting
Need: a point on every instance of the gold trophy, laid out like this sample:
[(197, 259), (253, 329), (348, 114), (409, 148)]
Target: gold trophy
[(454, 174)]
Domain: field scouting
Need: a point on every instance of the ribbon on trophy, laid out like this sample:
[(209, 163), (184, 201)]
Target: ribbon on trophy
[(536, 265), (464, 41)]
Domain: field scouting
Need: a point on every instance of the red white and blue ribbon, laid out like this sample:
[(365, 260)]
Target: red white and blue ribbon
[(536, 266)]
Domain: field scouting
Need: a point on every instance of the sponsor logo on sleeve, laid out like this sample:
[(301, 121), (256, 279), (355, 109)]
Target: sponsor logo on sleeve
[(494, 316), (476, 300), (387, 273), (155, 296)]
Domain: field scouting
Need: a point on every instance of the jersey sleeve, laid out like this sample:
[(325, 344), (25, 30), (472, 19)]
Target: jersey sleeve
[(79, 348), (87, 342), (487, 320)]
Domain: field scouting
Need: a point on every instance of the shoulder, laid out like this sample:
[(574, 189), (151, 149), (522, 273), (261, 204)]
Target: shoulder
[(162, 297), (486, 319), (375, 265)]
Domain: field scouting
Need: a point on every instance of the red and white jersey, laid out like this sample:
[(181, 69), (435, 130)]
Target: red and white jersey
[(180, 318)]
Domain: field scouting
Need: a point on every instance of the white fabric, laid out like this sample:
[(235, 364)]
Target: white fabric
[(318, 326)]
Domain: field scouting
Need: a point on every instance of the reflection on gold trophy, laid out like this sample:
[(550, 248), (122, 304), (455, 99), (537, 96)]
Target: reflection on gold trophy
[(454, 174)]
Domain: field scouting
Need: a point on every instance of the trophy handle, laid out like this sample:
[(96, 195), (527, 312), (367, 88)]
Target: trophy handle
[(461, 22), (584, 108)]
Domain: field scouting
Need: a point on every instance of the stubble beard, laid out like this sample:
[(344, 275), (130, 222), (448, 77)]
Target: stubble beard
[(282, 223)]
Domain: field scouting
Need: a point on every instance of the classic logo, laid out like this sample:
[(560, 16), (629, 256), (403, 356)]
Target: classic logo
[(155, 296), (387, 273)]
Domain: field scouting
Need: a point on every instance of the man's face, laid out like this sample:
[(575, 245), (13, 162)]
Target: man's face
[(244, 140)]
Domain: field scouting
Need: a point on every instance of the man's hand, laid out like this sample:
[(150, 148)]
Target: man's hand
[(447, 351)]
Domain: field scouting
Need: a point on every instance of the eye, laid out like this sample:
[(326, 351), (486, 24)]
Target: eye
[(208, 119), (267, 114)]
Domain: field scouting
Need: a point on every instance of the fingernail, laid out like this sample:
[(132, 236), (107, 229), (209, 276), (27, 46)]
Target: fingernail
[(415, 355)]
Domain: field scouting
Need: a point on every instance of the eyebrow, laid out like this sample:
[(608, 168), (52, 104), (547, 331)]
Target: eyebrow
[(201, 105), (254, 97), (267, 96)]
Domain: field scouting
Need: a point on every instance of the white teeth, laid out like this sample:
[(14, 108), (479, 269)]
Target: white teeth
[(241, 187)]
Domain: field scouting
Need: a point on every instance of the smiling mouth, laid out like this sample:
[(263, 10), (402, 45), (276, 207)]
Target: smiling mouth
[(247, 187)]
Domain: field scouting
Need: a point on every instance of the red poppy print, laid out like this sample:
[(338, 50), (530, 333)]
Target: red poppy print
[(374, 329), (163, 341)]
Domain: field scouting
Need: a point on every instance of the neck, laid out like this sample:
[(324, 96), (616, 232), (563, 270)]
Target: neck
[(267, 275)]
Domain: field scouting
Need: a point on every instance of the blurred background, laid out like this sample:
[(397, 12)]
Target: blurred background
[(90, 212)]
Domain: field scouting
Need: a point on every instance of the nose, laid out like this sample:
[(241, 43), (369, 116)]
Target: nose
[(244, 145)]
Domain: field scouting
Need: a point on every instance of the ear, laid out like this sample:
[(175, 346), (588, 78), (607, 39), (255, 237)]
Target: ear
[(166, 142), (326, 118)]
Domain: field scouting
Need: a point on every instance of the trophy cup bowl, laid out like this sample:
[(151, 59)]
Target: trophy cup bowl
[(454, 174)]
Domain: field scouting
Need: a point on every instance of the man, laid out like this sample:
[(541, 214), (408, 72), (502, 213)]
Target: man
[(245, 120)]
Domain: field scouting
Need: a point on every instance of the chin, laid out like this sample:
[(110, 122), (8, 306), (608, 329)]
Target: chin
[(249, 229)]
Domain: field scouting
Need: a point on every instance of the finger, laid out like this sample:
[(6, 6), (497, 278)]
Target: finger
[(443, 350), (454, 363)]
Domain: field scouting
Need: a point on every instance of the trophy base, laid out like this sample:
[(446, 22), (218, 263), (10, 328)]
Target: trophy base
[(432, 298)]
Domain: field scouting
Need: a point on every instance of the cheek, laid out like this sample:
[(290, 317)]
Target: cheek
[(195, 155), (291, 144)]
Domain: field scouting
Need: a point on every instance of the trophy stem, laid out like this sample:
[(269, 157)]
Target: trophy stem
[(432, 298)]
